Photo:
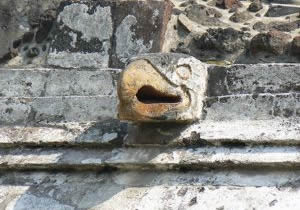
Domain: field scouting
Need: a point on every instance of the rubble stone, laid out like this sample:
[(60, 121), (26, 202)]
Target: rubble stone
[(275, 42), (255, 6), (295, 48), (228, 4), (239, 17)]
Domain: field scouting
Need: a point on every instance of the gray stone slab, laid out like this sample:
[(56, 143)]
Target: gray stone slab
[(114, 133), (229, 189), (106, 33), (278, 10), (20, 110), (57, 109), (226, 133), (150, 158), (101, 133), (252, 107), (82, 36), (40, 82), (258, 78)]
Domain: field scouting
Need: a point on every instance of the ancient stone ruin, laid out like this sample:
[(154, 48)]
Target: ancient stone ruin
[(149, 104)]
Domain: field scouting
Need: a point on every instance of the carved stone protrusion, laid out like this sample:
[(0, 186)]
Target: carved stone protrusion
[(162, 87)]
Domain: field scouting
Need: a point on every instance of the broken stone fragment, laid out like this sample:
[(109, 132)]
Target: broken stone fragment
[(277, 25), (255, 6), (226, 40), (204, 15), (277, 11), (162, 87), (107, 33), (228, 4), (275, 42), (295, 48), (239, 17)]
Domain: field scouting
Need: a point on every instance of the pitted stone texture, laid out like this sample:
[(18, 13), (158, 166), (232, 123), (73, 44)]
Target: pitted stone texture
[(45, 82), (226, 133), (100, 133), (229, 189), (275, 42), (82, 37), (258, 78), (151, 158), (57, 109), (252, 107), (107, 33), (277, 11), (140, 28), (24, 30)]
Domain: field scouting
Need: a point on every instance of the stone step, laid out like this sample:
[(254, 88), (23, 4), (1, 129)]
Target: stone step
[(224, 133), (44, 82), (15, 110), (253, 78), (148, 190), (112, 133), (150, 158)]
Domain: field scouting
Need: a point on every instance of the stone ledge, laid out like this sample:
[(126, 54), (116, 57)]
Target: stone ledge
[(231, 189), (150, 158), (112, 133)]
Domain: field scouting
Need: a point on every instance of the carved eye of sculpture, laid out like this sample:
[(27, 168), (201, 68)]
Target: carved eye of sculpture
[(184, 72), (156, 87)]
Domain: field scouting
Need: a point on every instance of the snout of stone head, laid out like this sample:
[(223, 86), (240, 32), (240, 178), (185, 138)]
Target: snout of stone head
[(162, 87)]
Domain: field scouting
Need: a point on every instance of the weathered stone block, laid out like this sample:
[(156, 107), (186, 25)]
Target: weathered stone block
[(277, 11), (107, 33), (162, 87), (82, 36)]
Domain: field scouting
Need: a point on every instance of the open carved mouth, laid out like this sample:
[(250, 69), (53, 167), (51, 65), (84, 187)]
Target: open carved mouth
[(149, 95)]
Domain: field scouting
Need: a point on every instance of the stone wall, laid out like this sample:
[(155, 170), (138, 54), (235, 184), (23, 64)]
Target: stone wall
[(220, 32), (62, 145)]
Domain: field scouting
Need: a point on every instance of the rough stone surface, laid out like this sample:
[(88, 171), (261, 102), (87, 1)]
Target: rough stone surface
[(45, 82), (77, 43), (63, 121), (275, 42), (255, 6), (277, 25), (253, 79), (296, 46), (24, 110), (277, 11), (228, 4), (232, 189), (151, 158), (239, 17), (218, 44), (122, 31), (203, 15), (24, 29)]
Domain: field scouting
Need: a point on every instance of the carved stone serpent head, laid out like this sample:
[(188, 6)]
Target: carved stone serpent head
[(160, 87)]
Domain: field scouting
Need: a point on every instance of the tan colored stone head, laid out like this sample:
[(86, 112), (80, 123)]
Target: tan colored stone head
[(161, 87)]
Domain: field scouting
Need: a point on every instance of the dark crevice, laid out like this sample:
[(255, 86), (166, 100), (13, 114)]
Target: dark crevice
[(149, 95)]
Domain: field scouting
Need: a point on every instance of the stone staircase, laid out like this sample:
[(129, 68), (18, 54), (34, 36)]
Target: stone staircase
[(62, 146)]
